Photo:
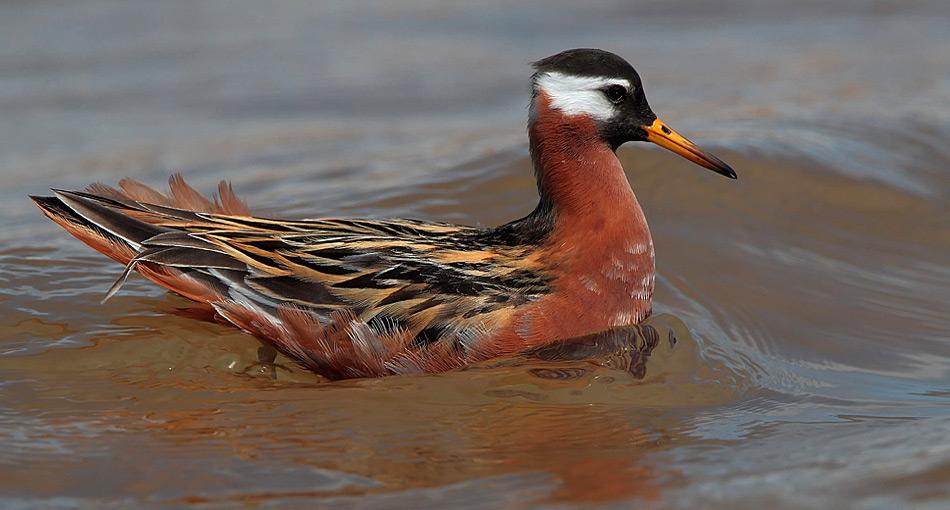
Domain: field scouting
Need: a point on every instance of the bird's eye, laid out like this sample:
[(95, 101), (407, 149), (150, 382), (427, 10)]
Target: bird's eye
[(615, 93)]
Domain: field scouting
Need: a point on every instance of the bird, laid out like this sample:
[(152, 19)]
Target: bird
[(358, 297)]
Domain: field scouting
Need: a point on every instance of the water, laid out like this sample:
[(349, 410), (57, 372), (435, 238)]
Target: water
[(809, 298)]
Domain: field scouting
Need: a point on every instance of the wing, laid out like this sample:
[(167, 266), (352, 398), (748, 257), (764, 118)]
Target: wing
[(400, 287), (422, 277)]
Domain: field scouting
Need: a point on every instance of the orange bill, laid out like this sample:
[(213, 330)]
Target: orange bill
[(660, 134)]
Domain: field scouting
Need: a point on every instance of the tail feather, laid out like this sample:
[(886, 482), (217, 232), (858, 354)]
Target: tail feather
[(181, 196), (123, 223), (95, 237), (96, 211)]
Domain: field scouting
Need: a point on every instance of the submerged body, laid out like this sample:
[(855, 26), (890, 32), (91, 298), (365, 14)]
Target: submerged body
[(359, 298)]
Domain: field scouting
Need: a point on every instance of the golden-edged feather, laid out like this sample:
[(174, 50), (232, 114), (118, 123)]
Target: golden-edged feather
[(345, 297)]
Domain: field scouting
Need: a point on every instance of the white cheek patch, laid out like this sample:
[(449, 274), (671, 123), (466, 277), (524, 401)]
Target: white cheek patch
[(579, 95)]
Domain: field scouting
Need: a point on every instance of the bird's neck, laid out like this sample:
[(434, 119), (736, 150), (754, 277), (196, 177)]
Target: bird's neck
[(598, 238), (581, 182)]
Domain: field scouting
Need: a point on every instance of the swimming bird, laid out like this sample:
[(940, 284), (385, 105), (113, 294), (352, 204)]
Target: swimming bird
[(353, 298)]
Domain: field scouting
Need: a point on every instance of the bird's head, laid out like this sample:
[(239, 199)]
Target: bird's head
[(606, 89)]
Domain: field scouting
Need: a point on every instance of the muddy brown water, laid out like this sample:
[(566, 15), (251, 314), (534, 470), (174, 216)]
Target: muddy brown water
[(808, 299)]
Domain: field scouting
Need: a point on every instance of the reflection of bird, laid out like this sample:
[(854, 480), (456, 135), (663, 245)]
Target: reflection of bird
[(359, 297)]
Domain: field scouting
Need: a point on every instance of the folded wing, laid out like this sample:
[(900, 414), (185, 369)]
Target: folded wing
[(345, 297)]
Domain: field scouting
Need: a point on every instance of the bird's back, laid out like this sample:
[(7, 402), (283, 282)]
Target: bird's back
[(346, 297)]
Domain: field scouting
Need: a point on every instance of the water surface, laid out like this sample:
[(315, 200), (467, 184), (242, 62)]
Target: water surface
[(808, 299)]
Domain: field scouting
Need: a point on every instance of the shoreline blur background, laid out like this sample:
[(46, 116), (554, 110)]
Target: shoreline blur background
[(813, 367)]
